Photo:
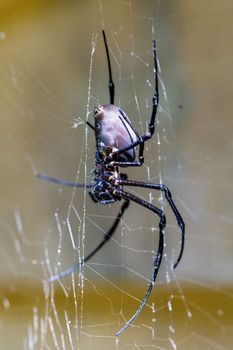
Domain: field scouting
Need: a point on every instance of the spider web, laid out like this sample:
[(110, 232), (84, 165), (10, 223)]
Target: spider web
[(53, 73)]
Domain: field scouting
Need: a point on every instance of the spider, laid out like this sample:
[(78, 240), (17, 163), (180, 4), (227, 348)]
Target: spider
[(116, 147)]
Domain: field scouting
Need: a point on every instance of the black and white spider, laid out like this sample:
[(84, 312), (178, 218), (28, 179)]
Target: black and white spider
[(116, 147)]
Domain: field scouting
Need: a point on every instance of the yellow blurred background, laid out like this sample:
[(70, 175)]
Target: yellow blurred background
[(53, 72)]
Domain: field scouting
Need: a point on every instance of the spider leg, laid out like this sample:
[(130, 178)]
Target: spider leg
[(90, 125), (105, 239), (135, 163), (168, 195), (159, 254), (62, 182), (155, 99), (155, 102), (111, 85)]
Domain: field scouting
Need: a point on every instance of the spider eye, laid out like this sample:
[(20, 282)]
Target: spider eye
[(98, 111)]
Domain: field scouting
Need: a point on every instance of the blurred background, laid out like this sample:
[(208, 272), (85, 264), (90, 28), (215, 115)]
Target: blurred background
[(53, 73)]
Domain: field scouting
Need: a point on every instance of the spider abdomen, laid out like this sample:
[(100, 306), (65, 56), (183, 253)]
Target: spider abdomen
[(114, 131)]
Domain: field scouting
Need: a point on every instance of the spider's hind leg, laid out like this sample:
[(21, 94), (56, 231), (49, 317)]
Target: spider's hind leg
[(168, 196), (158, 256), (105, 239)]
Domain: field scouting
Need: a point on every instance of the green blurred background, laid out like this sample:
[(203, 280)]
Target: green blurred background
[(50, 82)]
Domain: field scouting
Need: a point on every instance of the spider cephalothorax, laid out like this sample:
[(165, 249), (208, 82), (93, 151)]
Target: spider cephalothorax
[(119, 145)]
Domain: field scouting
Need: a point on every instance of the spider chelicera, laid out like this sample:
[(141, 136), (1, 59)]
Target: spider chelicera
[(116, 147)]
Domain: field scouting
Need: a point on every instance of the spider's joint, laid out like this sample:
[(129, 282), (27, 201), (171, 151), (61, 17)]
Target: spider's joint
[(141, 159), (113, 179), (148, 133), (162, 223), (110, 165), (155, 100)]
